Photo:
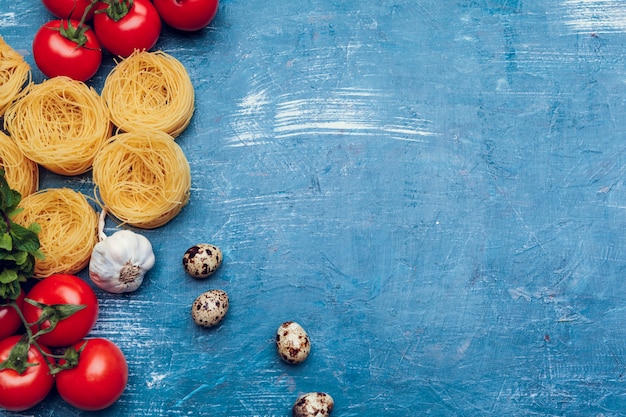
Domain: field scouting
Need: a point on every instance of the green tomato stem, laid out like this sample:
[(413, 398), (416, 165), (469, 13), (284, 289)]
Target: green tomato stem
[(117, 9), (32, 340)]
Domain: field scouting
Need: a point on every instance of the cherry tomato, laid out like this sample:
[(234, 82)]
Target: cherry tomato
[(69, 9), (124, 25), (188, 15), (10, 321), (60, 47), (19, 392), (62, 289), (98, 380)]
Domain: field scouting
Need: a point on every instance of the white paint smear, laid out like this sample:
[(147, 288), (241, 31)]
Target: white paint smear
[(598, 16), (7, 20), (248, 120), (347, 112)]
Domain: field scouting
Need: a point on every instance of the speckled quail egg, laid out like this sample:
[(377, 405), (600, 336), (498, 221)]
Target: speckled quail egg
[(313, 404), (292, 342), (202, 260), (210, 308)]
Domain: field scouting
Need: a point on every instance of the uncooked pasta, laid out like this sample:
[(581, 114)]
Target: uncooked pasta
[(60, 123), (142, 178), (21, 173), (68, 229), (14, 75), (149, 90)]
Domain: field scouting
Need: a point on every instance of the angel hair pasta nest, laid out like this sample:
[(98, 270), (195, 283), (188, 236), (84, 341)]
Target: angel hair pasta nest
[(60, 124), (14, 74), (21, 173), (68, 229), (149, 90), (143, 178)]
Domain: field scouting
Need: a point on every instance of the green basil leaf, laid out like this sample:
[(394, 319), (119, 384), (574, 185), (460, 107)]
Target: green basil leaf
[(7, 276), (19, 245), (24, 239), (21, 258), (6, 242)]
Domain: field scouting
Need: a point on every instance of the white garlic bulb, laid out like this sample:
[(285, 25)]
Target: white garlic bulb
[(119, 262)]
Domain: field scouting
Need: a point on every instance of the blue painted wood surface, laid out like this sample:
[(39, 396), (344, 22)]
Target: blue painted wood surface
[(434, 189)]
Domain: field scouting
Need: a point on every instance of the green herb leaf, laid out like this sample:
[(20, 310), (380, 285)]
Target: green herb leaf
[(24, 239), (19, 245), (7, 276), (6, 242)]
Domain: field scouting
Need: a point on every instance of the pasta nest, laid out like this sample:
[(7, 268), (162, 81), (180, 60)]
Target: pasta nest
[(14, 74), (60, 124), (21, 173), (143, 178), (149, 90), (68, 229)]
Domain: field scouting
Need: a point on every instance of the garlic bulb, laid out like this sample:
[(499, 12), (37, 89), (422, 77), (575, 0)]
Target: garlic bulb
[(119, 262)]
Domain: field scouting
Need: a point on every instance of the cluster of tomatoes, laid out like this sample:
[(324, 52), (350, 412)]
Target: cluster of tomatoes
[(44, 343), (73, 44)]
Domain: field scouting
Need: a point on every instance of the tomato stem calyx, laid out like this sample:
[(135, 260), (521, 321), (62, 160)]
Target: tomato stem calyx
[(68, 360), (76, 33), (116, 9), (73, 33), (18, 357), (52, 314)]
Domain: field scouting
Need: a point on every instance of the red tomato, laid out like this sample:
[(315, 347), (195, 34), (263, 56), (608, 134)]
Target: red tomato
[(57, 52), (122, 29), (20, 392), (69, 9), (9, 319), (62, 289), (189, 15), (98, 380)]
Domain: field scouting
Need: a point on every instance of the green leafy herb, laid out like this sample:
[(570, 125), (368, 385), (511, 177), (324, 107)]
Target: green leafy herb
[(19, 245)]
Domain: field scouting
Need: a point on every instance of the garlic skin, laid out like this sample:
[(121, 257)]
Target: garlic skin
[(119, 262)]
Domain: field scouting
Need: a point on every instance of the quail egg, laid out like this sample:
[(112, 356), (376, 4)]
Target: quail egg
[(202, 260), (292, 342), (313, 404), (210, 308)]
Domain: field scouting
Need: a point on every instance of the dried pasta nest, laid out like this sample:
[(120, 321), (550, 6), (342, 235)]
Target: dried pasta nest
[(60, 124), (143, 178), (21, 173), (149, 90), (68, 229), (14, 75)]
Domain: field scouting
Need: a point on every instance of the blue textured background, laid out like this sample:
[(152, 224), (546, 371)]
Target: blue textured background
[(434, 189)]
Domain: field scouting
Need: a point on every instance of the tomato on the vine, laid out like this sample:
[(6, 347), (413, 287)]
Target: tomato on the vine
[(187, 15), (10, 320), (63, 290), (69, 9), (67, 47), (24, 389), (99, 378), (125, 25)]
